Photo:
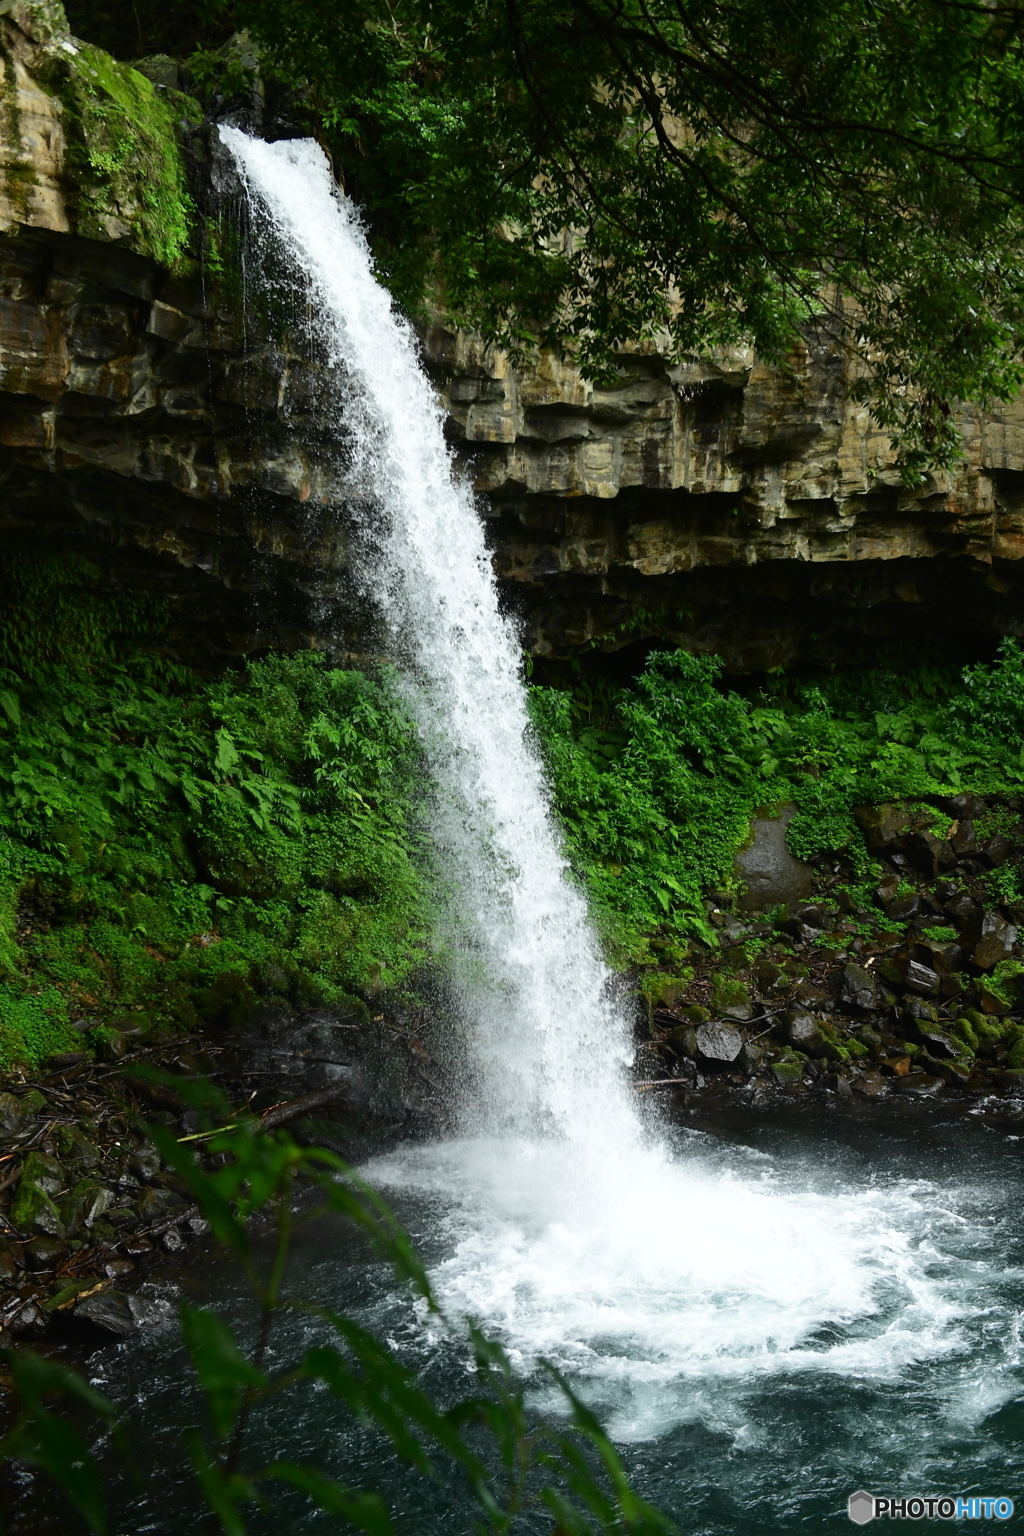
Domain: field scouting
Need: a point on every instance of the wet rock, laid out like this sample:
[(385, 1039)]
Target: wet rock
[(74, 1149), (28, 1319), (997, 850), (152, 1305), (904, 908), (805, 920), (17, 1117), (922, 1084), (95, 1200), (870, 1085), (45, 1253), (963, 839), (965, 807), (33, 1209), (731, 999), (750, 1057), (771, 875), (113, 1046), (942, 957), (769, 976), (719, 1043), (930, 854), (682, 1041), (801, 1030), (110, 1311), (995, 941), (937, 1040), (859, 989), (883, 825), (964, 913), (946, 1068), (921, 978), (172, 1241), (810, 996), (157, 1203)]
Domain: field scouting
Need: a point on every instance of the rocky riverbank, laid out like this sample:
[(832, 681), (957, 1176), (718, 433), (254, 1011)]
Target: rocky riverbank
[(907, 981), (88, 1211)]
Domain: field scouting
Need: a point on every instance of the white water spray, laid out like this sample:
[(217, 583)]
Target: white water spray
[(550, 1043), (568, 1230)]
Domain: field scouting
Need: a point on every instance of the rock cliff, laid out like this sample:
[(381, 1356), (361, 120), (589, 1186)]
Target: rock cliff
[(721, 505)]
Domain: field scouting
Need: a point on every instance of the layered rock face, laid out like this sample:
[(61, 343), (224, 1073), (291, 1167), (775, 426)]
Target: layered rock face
[(728, 506), (721, 505)]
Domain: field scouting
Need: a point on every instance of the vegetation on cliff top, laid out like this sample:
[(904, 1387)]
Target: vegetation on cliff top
[(123, 147), (609, 172)]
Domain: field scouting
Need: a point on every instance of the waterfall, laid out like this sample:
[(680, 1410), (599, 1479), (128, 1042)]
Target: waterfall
[(549, 1045), (655, 1270)]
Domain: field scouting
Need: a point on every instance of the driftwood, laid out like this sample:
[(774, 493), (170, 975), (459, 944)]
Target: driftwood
[(293, 1107)]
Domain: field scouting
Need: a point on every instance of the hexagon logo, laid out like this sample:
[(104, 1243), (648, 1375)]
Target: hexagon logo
[(861, 1507)]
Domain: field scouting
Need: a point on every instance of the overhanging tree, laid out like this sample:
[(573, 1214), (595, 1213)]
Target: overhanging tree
[(597, 173)]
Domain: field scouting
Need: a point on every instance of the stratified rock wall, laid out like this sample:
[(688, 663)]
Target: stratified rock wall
[(729, 506), (720, 505)]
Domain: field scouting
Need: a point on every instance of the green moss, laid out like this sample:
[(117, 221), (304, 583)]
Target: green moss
[(124, 150)]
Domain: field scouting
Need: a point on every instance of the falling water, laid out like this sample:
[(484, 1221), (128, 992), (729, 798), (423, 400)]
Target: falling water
[(549, 1042), (641, 1267)]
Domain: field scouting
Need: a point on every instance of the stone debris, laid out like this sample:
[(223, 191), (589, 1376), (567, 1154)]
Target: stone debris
[(915, 989)]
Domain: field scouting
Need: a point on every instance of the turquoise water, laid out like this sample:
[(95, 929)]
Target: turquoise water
[(749, 1415)]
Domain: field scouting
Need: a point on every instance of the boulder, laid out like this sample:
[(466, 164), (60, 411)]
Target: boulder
[(33, 1209), (996, 939), (109, 1311), (731, 999), (883, 825), (718, 1043), (771, 875), (870, 1085), (923, 1084), (859, 989), (921, 978), (801, 1030), (45, 1253)]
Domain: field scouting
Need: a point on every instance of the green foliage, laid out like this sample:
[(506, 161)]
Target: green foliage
[(605, 173), (515, 1465), (123, 145), (175, 844), (657, 783)]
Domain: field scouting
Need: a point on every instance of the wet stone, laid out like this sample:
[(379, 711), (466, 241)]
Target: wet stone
[(921, 978), (801, 1030), (995, 941), (719, 1043), (771, 874), (45, 1253), (109, 1311), (859, 989), (923, 1084)]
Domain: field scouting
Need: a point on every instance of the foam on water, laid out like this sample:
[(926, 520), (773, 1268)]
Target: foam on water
[(652, 1275), (646, 1277)]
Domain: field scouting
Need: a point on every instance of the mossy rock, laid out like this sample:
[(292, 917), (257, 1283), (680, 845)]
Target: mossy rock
[(34, 1210), (787, 1071), (124, 154), (731, 998)]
